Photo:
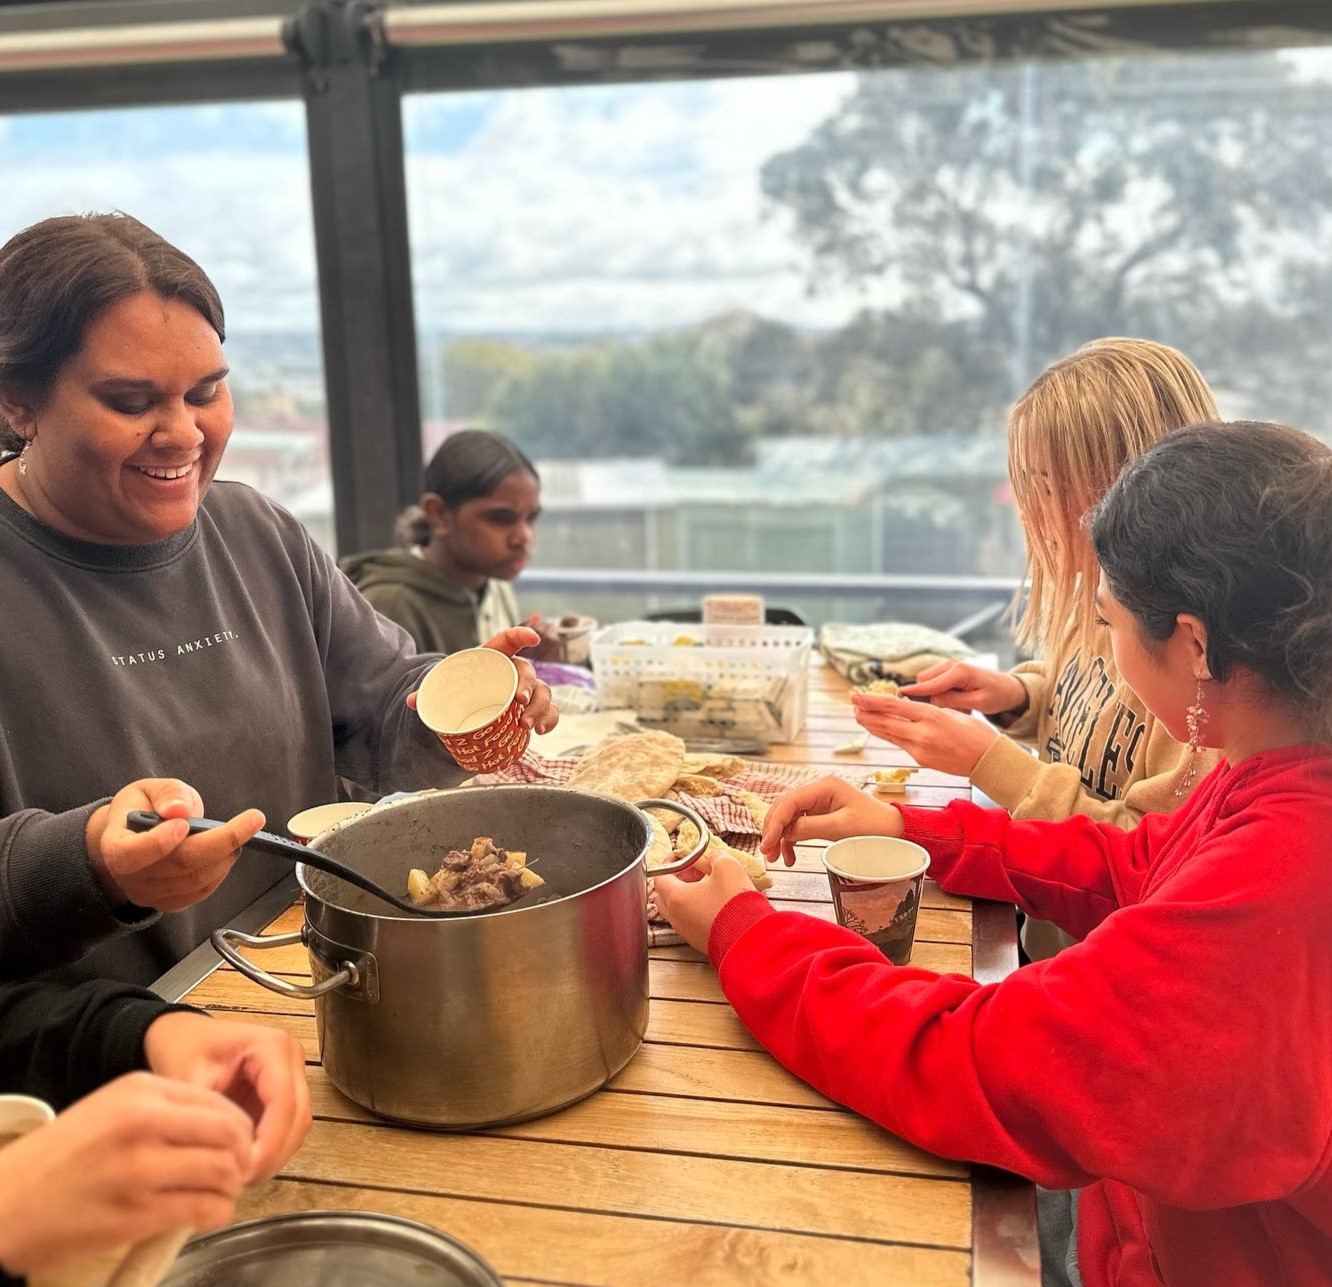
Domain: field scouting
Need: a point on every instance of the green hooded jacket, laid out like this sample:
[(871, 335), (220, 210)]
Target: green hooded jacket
[(440, 614)]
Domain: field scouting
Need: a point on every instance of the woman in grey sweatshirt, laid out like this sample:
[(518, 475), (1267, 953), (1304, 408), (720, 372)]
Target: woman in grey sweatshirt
[(158, 625)]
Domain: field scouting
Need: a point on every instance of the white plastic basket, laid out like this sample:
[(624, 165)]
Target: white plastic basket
[(749, 682)]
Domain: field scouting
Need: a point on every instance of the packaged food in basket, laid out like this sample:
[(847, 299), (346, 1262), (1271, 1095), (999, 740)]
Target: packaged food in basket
[(756, 690)]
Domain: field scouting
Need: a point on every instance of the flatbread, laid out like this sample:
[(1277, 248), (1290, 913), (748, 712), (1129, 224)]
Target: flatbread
[(758, 807), (713, 765), (659, 851), (697, 785), (755, 868), (636, 767), (667, 817)]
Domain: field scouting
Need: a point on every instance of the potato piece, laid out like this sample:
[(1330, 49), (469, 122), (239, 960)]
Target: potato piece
[(529, 878), (514, 859), (418, 886)]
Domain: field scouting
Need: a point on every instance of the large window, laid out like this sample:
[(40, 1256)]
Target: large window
[(776, 323), (230, 186)]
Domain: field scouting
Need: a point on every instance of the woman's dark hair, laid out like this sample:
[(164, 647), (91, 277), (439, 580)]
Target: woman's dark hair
[(473, 463), (57, 276), (1232, 523)]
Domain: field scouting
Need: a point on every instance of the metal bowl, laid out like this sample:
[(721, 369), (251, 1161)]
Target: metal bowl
[(330, 1249)]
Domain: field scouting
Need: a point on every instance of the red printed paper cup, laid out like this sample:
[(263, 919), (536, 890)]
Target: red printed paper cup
[(876, 883), (471, 700), (309, 823)]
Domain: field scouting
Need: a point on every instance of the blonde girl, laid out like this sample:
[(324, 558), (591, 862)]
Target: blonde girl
[(1101, 751)]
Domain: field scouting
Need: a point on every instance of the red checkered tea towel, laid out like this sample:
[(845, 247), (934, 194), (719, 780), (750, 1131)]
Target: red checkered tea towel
[(727, 814)]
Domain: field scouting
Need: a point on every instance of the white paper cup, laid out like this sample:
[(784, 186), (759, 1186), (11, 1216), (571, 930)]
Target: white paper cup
[(309, 823), (20, 1114), (876, 883), (577, 639)]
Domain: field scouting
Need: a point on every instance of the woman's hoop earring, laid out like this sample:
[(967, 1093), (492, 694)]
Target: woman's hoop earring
[(22, 460)]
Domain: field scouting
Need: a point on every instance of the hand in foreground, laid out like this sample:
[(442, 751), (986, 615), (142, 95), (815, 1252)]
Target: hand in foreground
[(134, 1159), (166, 868), (541, 714), (829, 809), (935, 738), (261, 1070), (692, 905), (960, 686)]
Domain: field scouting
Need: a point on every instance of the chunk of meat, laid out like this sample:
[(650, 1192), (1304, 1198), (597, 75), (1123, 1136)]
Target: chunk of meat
[(481, 877)]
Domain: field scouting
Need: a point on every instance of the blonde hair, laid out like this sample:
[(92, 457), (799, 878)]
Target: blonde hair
[(1069, 435)]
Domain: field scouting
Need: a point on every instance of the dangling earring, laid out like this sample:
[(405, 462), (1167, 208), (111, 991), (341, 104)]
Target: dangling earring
[(1195, 717), (23, 462)]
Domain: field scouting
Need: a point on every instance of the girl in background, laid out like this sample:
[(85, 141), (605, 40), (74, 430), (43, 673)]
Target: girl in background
[(476, 531)]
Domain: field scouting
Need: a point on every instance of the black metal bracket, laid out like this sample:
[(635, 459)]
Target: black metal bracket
[(358, 182)]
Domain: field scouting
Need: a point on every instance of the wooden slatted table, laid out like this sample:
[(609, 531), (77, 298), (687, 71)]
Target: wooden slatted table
[(704, 1162)]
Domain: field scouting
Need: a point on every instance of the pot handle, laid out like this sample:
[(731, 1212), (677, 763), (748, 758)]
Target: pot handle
[(224, 944), (697, 852)]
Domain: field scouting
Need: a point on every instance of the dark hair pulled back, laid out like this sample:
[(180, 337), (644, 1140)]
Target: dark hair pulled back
[(57, 276), (473, 463), (1231, 522)]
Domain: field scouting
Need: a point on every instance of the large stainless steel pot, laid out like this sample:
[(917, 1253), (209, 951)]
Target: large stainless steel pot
[(484, 1019)]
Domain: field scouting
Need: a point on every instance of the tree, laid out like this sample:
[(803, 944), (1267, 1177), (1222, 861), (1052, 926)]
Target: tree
[(666, 397), (1050, 203), (473, 369)]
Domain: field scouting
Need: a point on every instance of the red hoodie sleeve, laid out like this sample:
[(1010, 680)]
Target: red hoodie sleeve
[(1156, 1052), (1074, 873)]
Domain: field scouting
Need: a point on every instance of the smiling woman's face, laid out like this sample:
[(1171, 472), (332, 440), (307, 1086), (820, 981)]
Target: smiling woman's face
[(128, 438)]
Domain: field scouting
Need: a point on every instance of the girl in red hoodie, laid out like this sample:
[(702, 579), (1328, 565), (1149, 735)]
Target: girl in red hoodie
[(1175, 1064)]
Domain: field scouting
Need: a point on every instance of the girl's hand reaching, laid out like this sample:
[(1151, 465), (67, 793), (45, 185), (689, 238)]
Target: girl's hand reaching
[(959, 686), (935, 738), (691, 906), (830, 809)]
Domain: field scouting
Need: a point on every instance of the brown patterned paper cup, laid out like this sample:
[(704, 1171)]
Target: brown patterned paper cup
[(471, 700), (309, 823), (876, 883)]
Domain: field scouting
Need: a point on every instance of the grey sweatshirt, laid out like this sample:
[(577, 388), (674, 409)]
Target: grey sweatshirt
[(233, 655)]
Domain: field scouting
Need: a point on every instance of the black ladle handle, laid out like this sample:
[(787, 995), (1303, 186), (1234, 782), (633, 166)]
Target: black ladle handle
[(280, 847)]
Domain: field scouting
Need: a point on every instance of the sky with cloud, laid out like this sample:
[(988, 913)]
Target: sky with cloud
[(625, 208), (580, 211)]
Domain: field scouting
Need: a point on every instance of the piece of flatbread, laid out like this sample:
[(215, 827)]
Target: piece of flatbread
[(756, 869), (713, 765), (667, 817), (636, 767), (697, 785), (758, 807), (659, 849)]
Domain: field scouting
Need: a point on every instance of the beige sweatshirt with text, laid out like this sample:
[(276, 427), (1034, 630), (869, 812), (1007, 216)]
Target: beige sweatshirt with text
[(1101, 752)]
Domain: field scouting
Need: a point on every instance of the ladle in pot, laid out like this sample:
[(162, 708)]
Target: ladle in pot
[(280, 847)]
